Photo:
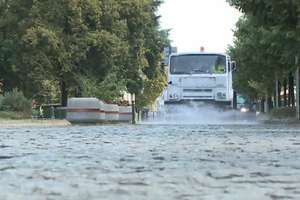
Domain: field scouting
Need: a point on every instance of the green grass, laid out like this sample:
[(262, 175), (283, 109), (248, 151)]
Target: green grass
[(13, 115)]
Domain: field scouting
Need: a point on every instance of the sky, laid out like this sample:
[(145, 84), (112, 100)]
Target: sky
[(196, 23)]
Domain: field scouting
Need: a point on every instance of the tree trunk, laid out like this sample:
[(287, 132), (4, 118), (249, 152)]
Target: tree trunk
[(270, 104), (262, 105), (266, 105), (276, 95), (297, 76), (279, 95), (133, 109), (284, 93), (64, 93), (234, 100), (78, 92), (291, 99)]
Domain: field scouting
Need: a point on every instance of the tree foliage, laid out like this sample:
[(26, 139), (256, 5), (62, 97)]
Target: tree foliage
[(266, 44), (109, 44)]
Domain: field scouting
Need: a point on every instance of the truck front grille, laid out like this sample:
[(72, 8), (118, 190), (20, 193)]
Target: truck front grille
[(198, 97)]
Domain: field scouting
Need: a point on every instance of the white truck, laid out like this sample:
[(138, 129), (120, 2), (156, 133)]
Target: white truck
[(200, 77)]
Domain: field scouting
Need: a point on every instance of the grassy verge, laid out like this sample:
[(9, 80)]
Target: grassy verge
[(13, 115), (279, 115), (283, 113), (21, 120)]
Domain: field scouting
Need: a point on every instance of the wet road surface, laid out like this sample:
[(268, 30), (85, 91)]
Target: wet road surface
[(247, 161)]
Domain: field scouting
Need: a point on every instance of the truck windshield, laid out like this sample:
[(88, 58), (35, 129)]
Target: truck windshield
[(198, 64)]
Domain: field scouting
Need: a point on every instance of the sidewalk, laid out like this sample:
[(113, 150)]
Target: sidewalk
[(267, 119)]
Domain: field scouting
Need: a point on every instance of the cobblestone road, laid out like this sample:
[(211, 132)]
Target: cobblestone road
[(151, 162)]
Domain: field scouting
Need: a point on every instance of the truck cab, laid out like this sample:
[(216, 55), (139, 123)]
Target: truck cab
[(199, 77)]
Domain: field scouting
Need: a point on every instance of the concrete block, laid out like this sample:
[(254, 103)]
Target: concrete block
[(125, 113), (83, 110), (111, 112), (101, 111)]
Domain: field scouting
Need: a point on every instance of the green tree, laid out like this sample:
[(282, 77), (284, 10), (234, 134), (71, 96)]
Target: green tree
[(266, 44), (56, 41), (12, 15), (281, 16)]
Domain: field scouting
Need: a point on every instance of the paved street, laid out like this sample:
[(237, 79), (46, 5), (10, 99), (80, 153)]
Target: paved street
[(247, 161)]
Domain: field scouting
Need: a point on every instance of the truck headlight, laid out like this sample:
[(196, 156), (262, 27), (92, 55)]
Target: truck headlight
[(244, 110), (174, 96)]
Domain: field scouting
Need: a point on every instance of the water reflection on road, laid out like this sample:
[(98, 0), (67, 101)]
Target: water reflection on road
[(151, 161)]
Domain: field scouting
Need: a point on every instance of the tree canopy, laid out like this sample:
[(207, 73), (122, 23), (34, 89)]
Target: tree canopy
[(266, 44), (72, 46)]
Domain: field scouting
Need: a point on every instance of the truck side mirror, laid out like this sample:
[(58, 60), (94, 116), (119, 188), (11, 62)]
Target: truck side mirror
[(233, 66)]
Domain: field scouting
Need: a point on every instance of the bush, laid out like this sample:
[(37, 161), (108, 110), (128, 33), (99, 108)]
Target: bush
[(283, 113), (15, 101)]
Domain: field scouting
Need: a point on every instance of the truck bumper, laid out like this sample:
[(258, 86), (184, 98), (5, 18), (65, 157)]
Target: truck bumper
[(218, 104)]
